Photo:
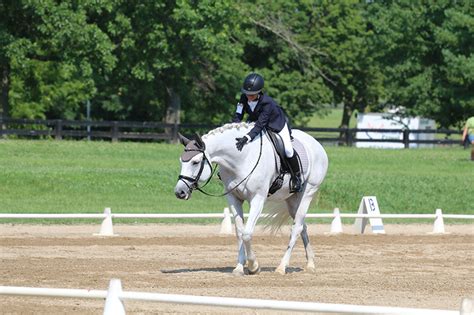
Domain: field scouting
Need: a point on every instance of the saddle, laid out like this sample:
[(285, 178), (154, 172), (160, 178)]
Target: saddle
[(283, 162)]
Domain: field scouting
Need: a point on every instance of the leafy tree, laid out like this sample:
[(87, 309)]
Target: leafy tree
[(173, 56), (316, 54), (355, 79), (50, 55), (275, 47), (185, 60), (426, 51)]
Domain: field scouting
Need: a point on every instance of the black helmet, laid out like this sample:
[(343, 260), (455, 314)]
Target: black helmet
[(253, 84)]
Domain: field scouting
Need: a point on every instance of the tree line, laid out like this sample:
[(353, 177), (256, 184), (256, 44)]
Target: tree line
[(184, 60)]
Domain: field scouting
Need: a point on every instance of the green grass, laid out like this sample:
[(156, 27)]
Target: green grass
[(85, 177), (331, 120), (404, 181)]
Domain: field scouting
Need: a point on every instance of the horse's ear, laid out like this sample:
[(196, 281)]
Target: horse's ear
[(199, 141), (184, 141)]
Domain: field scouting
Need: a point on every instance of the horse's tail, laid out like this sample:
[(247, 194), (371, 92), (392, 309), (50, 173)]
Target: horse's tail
[(276, 215)]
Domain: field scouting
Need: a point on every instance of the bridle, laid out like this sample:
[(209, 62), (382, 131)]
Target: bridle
[(194, 182)]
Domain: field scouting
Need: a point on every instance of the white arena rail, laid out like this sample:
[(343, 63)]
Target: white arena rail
[(115, 297), (226, 226)]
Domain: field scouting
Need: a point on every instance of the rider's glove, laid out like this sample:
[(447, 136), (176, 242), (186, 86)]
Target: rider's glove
[(241, 142)]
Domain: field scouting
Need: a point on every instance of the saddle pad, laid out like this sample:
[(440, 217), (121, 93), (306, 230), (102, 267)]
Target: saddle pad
[(299, 147)]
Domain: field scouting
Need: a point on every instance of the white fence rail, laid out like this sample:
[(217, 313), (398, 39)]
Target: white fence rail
[(115, 297), (226, 226)]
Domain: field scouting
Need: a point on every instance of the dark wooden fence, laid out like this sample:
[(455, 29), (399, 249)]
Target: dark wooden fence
[(154, 131)]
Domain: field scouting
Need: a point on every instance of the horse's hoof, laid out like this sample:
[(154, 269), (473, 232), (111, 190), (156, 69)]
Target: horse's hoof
[(238, 271), (255, 270), (281, 270), (310, 269)]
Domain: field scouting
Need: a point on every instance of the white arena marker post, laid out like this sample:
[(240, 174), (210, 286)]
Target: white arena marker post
[(113, 304), (467, 306), (226, 225), (369, 205), (106, 228), (336, 224), (438, 227)]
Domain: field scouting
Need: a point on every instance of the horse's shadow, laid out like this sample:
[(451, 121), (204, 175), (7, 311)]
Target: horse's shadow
[(225, 270)]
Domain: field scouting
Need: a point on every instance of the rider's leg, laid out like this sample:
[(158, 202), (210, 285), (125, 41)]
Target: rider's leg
[(295, 182)]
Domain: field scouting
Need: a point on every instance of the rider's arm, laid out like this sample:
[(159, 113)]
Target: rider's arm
[(239, 113), (262, 121), (239, 110)]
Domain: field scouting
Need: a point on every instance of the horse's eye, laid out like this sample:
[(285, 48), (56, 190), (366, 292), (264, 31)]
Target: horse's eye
[(195, 163)]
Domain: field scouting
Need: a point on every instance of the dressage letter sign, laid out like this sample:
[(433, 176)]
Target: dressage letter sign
[(369, 205)]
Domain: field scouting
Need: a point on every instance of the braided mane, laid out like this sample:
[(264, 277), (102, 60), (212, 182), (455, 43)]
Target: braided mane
[(229, 126)]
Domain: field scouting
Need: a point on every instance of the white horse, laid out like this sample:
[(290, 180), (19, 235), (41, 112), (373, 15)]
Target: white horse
[(247, 176)]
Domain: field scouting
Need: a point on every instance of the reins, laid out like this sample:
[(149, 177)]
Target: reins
[(194, 181)]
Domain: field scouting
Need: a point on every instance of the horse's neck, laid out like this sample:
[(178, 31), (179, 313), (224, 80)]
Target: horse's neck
[(221, 150)]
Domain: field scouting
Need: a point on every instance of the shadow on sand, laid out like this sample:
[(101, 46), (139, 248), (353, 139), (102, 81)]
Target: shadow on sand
[(226, 270)]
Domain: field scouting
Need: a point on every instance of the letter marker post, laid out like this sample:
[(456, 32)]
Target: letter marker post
[(369, 205)]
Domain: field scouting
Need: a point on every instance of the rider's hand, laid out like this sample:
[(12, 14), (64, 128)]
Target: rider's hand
[(241, 142)]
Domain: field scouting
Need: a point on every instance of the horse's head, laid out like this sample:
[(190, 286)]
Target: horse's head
[(195, 167)]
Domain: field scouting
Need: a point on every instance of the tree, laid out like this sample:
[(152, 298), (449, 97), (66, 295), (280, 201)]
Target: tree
[(173, 57), (316, 54), (426, 51), (355, 79), (50, 55), (275, 47)]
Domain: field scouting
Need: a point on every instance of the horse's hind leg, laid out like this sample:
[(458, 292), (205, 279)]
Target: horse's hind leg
[(296, 229), (309, 251)]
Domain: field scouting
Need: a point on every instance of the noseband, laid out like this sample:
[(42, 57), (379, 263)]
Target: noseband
[(194, 182)]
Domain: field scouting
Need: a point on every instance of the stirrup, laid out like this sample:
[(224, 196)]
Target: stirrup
[(295, 185)]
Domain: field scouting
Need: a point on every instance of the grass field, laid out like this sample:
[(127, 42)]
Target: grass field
[(331, 120), (85, 177)]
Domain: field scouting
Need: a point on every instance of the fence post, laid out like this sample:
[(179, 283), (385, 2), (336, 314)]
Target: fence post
[(174, 135), (58, 130), (2, 126), (114, 131), (88, 128), (406, 138), (113, 304), (348, 136)]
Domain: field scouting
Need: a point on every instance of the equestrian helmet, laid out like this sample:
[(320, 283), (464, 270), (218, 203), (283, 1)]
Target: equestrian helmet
[(253, 84)]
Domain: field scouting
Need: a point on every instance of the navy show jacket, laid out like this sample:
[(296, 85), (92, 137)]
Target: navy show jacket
[(267, 114)]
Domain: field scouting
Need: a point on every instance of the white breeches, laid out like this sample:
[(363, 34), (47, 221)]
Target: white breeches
[(285, 136)]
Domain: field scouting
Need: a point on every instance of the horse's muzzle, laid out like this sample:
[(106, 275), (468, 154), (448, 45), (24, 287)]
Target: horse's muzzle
[(182, 191), (181, 194)]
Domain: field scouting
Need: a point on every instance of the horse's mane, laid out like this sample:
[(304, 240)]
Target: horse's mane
[(229, 126)]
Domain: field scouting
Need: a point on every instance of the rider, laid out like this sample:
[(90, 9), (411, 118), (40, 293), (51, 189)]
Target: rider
[(266, 113)]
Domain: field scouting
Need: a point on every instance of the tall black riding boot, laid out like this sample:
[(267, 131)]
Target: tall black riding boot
[(295, 181)]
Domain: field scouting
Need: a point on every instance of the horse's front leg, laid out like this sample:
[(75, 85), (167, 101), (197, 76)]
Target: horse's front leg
[(256, 206), (235, 206)]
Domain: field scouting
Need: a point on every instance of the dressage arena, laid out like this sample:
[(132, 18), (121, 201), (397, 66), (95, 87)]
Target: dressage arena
[(407, 267)]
